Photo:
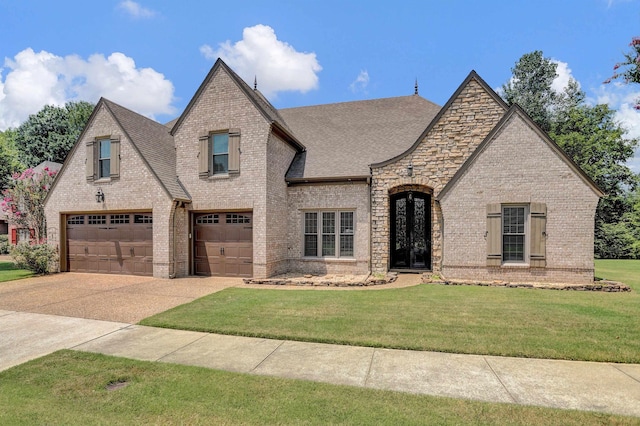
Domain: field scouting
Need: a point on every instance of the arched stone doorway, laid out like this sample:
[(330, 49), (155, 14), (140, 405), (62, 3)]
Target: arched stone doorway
[(410, 242)]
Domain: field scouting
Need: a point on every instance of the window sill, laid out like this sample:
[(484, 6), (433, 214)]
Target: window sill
[(515, 265), (329, 259), (219, 176), (102, 180)]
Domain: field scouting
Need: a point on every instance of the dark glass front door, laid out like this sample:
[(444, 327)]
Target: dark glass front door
[(411, 230)]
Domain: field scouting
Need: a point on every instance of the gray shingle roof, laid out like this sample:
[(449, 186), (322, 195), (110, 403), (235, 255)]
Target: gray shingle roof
[(155, 145), (342, 139)]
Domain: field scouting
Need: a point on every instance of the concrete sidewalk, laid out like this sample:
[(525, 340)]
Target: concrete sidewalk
[(605, 387)]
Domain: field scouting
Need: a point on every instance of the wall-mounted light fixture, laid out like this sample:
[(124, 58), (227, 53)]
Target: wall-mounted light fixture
[(99, 196), (410, 170)]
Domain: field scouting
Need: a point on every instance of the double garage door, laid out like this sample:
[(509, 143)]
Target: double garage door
[(110, 243), (223, 244)]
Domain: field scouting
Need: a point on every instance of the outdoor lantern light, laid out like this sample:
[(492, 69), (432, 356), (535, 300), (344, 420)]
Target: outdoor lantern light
[(99, 196), (410, 169)]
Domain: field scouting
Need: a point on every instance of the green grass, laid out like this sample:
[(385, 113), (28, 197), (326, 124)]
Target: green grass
[(70, 388), (9, 272), (591, 326)]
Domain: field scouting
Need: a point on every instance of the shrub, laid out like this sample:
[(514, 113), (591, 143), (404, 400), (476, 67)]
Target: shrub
[(38, 258), (4, 244)]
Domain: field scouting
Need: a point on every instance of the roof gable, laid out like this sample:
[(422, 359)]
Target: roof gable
[(268, 111), (515, 110), (472, 76)]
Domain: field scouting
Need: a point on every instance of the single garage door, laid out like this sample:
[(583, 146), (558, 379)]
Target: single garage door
[(110, 243), (223, 244)]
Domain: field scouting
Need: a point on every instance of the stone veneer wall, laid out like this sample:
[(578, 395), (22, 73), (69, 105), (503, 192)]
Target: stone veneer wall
[(468, 120), (221, 106), (135, 190), (349, 196), (517, 166)]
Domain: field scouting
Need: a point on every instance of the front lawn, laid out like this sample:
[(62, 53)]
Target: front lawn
[(573, 325), (72, 388), (9, 272)]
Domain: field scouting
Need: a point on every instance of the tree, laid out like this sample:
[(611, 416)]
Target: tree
[(23, 200), (591, 137), (51, 133), (9, 163), (530, 87)]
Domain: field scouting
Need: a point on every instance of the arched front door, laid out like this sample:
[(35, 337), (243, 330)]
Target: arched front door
[(410, 230)]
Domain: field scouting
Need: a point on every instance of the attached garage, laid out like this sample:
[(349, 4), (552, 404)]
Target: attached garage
[(115, 243), (223, 244)]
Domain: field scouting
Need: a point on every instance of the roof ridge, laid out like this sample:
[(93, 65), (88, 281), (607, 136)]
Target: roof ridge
[(361, 101)]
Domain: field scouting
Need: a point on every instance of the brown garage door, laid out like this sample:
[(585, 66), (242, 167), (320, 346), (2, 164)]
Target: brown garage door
[(110, 243), (223, 244)]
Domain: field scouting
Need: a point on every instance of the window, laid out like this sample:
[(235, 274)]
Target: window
[(97, 219), (75, 220), (513, 234), (142, 218), (219, 153), (210, 218), (104, 158), (516, 234), (330, 233), (119, 218), (220, 150), (238, 218)]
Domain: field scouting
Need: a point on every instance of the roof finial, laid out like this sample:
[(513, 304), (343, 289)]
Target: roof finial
[(255, 82), (416, 87)]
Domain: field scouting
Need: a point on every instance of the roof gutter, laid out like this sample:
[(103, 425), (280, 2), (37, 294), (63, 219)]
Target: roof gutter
[(325, 180), (284, 134)]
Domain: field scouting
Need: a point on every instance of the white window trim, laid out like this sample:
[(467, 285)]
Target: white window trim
[(527, 235), (337, 234)]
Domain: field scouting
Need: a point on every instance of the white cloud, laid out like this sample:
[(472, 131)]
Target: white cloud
[(361, 82), (135, 10), (37, 79), (563, 77), (276, 64)]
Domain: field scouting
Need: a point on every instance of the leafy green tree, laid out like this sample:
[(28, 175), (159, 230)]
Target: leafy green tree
[(9, 163), (530, 87), (51, 133)]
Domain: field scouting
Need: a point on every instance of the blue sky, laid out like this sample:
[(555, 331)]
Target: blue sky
[(151, 56)]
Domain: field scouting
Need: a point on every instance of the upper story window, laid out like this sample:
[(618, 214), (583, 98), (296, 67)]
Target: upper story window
[(104, 158), (219, 153)]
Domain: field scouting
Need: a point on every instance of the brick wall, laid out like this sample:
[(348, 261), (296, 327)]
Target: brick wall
[(222, 106), (350, 196), (468, 120), (136, 189), (517, 166)]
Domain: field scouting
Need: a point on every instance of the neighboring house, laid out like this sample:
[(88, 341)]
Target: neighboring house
[(234, 187), (17, 234)]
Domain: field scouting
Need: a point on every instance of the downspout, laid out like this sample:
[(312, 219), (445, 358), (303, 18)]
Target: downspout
[(441, 220), (173, 240), (370, 183)]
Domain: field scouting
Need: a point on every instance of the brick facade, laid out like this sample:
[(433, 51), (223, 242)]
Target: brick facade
[(135, 190), (518, 167)]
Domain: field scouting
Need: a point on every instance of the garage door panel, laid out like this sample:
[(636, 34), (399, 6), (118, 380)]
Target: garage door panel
[(110, 243), (223, 244)]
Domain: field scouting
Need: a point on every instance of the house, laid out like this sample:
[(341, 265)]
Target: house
[(18, 234), (235, 187)]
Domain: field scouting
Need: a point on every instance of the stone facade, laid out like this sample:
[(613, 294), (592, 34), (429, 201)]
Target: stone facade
[(465, 121), (518, 167)]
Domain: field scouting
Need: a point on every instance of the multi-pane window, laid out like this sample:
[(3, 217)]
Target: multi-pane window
[(119, 218), (238, 218), (75, 220), (220, 153), (142, 218), (104, 158), (329, 233), (97, 219), (513, 233), (210, 218)]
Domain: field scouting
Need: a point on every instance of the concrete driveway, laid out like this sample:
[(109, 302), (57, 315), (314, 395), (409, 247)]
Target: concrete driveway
[(119, 298)]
